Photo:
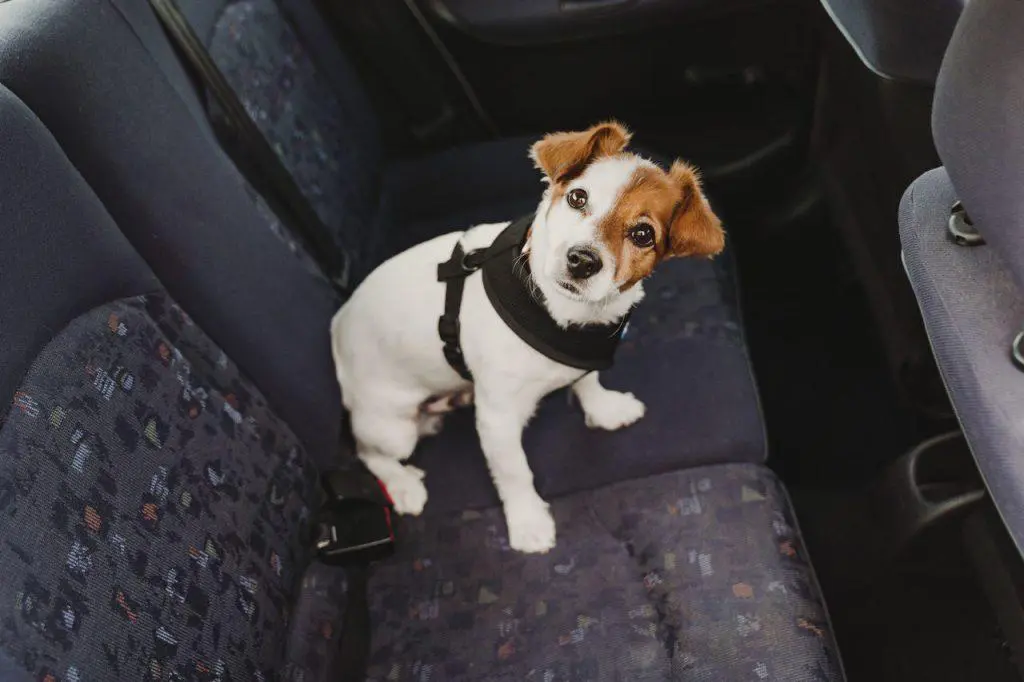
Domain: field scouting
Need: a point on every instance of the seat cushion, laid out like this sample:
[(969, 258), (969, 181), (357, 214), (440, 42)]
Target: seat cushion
[(972, 310), (149, 508), (694, 575)]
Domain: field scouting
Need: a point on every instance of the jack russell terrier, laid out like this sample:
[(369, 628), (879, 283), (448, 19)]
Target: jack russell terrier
[(606, 219)]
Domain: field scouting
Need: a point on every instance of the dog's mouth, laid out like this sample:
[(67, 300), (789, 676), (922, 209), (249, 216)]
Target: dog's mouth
[(570, 287)]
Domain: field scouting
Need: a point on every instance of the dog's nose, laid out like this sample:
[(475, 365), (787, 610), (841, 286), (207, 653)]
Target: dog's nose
[(583, 262)]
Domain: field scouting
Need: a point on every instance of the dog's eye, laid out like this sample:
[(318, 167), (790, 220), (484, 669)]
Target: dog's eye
[(642, 235), (576, 198)]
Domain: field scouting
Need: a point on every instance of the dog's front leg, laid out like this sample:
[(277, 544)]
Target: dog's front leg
[(500, 421), (605, 409)]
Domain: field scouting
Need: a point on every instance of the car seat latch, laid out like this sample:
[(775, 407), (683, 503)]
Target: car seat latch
[(354, 524)]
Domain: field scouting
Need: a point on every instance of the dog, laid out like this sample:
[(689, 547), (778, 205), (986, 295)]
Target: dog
[(606, 218)]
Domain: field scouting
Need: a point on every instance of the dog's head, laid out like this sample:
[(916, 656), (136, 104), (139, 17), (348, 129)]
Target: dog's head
[(609, 216)]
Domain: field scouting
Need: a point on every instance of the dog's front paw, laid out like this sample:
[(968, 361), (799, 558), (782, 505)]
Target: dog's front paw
[(612, 410), (407, 490), (531, 528)]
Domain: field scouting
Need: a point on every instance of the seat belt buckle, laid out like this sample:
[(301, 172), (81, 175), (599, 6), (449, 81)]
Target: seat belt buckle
[(355, 522)]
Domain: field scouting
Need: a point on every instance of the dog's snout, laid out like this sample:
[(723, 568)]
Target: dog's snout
[(583, 262)]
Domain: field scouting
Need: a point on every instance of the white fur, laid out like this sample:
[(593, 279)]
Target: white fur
[(389, 361)]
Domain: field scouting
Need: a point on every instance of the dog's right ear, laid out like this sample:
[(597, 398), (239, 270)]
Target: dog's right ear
[(563, 156)]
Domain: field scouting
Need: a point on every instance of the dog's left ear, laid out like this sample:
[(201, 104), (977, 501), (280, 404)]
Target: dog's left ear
[(563, 156), (695, 229)]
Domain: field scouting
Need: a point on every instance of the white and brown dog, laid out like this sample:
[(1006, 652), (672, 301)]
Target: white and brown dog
[(605, 220)]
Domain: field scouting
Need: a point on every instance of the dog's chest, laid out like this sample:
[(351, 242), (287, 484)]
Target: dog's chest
[(495, 353)]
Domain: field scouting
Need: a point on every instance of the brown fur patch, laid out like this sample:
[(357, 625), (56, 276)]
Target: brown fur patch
[(563, 156), (673, 204), (696, 230)]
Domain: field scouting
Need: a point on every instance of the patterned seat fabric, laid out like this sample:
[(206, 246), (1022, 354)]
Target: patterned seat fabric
[(149, 506), (153, 504), (695, 575), (327, 139)]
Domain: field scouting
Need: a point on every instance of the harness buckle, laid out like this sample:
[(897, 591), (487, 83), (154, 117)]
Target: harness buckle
[(448, 329), (354, 524)]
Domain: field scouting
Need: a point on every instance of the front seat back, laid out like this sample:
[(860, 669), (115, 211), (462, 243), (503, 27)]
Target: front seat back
[(978, 122), (971, 296)]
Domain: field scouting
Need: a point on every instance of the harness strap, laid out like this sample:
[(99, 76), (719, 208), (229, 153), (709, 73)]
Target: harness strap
[(454, 272)]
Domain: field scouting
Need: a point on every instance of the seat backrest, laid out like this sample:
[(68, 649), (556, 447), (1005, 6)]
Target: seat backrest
[(304, 96), (104, 80), (978, 122), (898, 39), (151, 503)]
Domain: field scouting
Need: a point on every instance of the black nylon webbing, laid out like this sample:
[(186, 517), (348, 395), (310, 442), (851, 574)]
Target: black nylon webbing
[(254, 156), (507, 283)]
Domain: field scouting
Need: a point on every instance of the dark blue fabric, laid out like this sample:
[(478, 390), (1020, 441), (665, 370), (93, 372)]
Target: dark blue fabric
[(10, 671), (325, 139), (696, 575), (316, 624), (61, 254), (151, 507), (84, 72)]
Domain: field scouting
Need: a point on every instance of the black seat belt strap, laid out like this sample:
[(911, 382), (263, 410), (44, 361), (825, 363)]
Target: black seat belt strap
[(261, 164), (353, 529)]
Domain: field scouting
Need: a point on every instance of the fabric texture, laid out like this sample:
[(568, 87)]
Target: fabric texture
[(327, 144), (96, 81), (316, 624), (978, 122), (62, 256), (972, 310), (150, 507), (696, 575), (153, 504)]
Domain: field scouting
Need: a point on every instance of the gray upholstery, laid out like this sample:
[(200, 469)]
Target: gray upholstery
[(978, 121), (900, 39), (970, 298), (972, 309)]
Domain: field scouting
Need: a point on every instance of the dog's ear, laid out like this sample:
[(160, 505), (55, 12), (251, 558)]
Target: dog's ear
[(563, 156), (695, 229)]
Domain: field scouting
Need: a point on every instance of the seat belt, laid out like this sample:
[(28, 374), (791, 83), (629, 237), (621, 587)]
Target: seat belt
[(254, 156), (353, 529)]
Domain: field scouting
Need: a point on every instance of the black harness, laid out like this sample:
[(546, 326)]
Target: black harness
[(508, 283)]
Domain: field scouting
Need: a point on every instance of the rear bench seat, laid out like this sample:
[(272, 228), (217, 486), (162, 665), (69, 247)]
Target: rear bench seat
[(172, 506)]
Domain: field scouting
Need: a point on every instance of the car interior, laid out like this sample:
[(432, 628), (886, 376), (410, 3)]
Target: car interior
[(825, 486)]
